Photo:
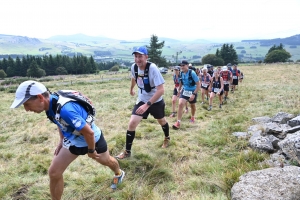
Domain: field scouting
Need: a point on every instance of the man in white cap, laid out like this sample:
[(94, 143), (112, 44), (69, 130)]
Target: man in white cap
[(150, 85), (78, 135)]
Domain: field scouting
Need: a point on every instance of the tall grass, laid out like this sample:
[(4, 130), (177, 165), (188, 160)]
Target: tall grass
[(203, 161)]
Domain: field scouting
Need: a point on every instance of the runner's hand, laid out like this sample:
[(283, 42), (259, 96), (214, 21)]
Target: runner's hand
[(59, 146), (93, 155), (142, 109), (132, 93)]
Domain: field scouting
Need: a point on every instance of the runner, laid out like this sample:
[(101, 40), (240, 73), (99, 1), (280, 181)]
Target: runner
[(235, 77), (176, 80), (227, 79), (205, 80), (191, 85), (217, 88)]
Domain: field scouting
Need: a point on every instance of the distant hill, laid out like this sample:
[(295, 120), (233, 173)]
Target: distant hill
[(108, 49), (293, 40)]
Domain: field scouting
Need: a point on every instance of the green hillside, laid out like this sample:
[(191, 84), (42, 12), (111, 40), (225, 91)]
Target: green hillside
[(107, 49)]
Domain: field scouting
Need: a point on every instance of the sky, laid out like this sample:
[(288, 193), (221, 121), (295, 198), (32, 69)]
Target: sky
[(132, 19)]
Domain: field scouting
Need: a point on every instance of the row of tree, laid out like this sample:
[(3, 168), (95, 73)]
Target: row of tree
[(51, 65), (226, 54)]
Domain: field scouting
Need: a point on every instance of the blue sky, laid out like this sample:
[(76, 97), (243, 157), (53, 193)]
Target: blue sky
[(132, 19)]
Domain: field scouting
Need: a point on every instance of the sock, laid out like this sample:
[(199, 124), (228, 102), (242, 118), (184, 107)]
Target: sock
[(129, 139), (165, 128), (119, 173)]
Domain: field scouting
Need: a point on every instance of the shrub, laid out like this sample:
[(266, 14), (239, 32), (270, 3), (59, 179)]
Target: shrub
[(2, 74)]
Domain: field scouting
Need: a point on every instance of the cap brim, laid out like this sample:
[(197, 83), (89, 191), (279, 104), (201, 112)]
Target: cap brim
[(138, 52), (18, 102)]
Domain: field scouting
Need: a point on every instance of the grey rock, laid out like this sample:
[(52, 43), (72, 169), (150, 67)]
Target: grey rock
[(290, 145), (261, 120), (277, 160), (272, 128), (294, 122), (241, 134), (261, 143), (282, 117), (293, 129), (271, 184), (256, 127)]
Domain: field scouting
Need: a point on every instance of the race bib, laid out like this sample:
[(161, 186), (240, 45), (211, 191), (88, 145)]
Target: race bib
[(187, 93), (66, 143), (226, 82), (234, 77), (216, 90), (204, 85)]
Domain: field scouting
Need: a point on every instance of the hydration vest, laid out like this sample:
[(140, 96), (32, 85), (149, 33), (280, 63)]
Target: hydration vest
[(227, 75), (146, 81), (65, 96), (191, 80)]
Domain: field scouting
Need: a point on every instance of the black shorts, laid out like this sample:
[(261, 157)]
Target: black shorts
[(226, 87), (157, 110), (187, 98), (205, 88), (235, 82), (175, 92), (221, 93), (101, 147)]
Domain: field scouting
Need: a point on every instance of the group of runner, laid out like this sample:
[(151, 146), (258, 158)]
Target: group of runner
[(210, 81)]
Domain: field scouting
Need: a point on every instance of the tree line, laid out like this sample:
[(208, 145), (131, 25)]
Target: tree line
[(37, 66)]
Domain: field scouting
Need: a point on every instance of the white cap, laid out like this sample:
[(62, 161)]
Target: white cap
[(26, 90), (225, 68), (204, 68), (190, 65)]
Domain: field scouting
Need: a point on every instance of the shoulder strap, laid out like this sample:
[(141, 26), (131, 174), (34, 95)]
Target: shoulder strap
[(135, 72)]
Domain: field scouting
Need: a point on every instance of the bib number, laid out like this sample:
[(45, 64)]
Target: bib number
[(187, 93), (204, 85), (216, 90), (226, 82), (66, 143), (234, 77)]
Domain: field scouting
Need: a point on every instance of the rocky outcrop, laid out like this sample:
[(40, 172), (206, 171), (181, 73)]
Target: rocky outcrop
[(270, 184), (280, 137)]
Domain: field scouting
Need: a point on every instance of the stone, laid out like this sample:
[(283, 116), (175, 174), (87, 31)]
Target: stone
[(282, 117), (241, 135), (290, 145), (293, 129), (271, 184), (261, 143), (261, 120), (294, 122), (272, 128)]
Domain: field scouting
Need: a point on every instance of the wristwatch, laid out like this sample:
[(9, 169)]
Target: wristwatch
[(91, 150), (149, 103)]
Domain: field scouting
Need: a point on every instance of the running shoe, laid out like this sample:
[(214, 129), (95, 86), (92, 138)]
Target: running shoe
[(117, 180), (209, 108), (166, 142), (123, 155), (172, 115), (192, 120), (176, 125), (220, 106), (202, 102)]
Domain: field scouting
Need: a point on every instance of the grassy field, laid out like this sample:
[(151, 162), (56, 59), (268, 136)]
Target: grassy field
[(203, 161)]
